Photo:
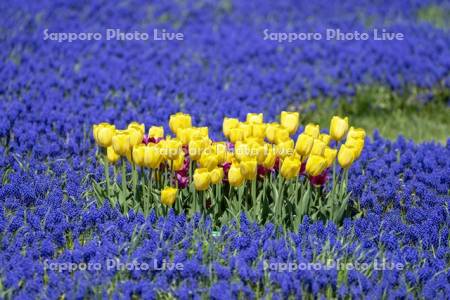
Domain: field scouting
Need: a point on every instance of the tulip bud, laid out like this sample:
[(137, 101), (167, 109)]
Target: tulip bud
[(318, 147), (168, 196), (103, 134), (121, 142), (249, 168), (170, 148), (304, 144), (315, 165), (178, 163), (136, 125), (247, 129), (356, 144), (136, 134), (202, 179), (290, 167), (259, 131), (269, 160), (235, 177), (241, 150), (179, 120), (220, 149), (217, 175), (271, 130), (111, 155), (228, 124), (312, 130), (281, 135), (208, 161), (290, 120), (345, 156), (156, 132), (338, 127), (253, 118), (330, 155), (184, 135), (286, 148), (196, 148)]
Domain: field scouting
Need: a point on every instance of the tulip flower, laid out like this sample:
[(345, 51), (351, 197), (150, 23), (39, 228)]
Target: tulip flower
[(249, 168), (228, 124), (152, 156), (184, 135), (338, 127), (179, 120), (236, 134), (318, 147), (253, 118), (103, 134), (111, 155), (269, 160), (168, 196), (235, 177), (271, 129), (315, 165), (356, 144), (285, 148), (196, 148), (281, 135), (156, 132), (178, 163), (259, 131), (220, 149), (290, 121), (304, 144), (136, 133), (346, 156), (290, 167), (202, 179), (139, 154), (247, 129), (170, 148), (121, 142), (356, 133), (312, 130), (137, 125), (326, 138), (208, 161), (330, 155), (217, 175)]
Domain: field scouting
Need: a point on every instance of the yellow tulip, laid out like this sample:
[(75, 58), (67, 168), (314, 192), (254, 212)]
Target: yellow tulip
[(290, 120), (209, 161), (281, 135), (315, 165), (285, 148), (326, 138), (312, 130), (258, 151), (253, 118), (345, 156), (228, 124), (356, 144), (247, 129), (259, 131), (170, 148), (220, 149), (136, 125), (318, 147), (202, 179), (152, 156), (184, 135), (103, 134), (241, 150), (178, 163), (139, 154), (216, 175), (330, 155), (111, 155), (168, 196), (236, 134), (249, 168), (196, 148), (121, 142), (271, 130), (290, 167), (338, 127), (136, 134), (304, 144), (270, 159), (156, 132), (235, 177), (179, 120), (356, 133)]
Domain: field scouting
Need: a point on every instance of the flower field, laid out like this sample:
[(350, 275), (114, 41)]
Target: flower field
[(184, 168)]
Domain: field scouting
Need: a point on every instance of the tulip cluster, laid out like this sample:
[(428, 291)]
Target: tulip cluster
[(260, 169)]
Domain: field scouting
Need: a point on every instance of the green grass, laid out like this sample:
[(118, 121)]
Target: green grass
[(391, 113)]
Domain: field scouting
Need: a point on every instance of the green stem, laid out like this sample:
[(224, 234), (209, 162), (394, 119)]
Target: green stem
[(124, 185)]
